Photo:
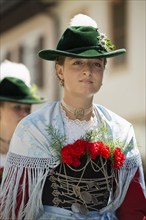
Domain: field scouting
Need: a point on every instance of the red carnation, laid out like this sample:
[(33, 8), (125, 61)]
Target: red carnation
[(119, 158), (93, 149), (79, 147), (71, 153), (66, 154), (104, 150)]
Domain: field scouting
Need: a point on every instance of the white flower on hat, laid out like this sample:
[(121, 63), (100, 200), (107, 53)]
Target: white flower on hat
[(82, 20), (105, 42), (17, 70)]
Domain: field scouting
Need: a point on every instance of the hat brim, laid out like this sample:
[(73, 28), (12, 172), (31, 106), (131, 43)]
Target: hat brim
[(23, 101), (88, 53)]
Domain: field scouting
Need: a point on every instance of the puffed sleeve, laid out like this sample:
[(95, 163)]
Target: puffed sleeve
[(134, 204)]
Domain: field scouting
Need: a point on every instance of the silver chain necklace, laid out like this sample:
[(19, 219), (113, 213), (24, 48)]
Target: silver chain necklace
[(77, 112)]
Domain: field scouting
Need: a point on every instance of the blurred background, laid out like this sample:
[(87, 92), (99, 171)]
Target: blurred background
[(28, 26)]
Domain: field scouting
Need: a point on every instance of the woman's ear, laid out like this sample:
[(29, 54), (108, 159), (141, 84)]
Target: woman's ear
[(59, 71)]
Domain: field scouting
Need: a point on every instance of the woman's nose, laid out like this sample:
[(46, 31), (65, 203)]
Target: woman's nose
[(88, 70)]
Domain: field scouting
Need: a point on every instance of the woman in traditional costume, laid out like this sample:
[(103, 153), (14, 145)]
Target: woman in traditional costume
[(74, 159)]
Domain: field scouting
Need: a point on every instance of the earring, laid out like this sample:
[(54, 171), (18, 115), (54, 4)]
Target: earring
[(61, 82)]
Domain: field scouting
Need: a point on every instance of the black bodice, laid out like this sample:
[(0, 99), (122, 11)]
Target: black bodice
[(88, 185)]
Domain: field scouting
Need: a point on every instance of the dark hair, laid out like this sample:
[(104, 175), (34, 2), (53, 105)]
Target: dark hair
[(1, 103), (60, 60)]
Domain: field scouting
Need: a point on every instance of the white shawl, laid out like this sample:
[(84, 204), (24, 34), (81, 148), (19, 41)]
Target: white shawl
[(31, 156)]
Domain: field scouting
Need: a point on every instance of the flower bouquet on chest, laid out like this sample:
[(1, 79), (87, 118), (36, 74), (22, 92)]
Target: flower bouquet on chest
[(94, 144)]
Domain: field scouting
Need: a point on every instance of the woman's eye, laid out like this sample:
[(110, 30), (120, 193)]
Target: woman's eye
[(97, 64), (17, 108), (77, 63)]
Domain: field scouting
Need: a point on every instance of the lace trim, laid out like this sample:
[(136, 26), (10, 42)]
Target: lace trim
[(75, 129), (29, 162), (132, 162)]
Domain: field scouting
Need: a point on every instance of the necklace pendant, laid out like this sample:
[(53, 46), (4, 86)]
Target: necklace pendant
[(79, 113)]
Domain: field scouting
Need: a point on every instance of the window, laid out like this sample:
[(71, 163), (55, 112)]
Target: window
[(27, 54), (38, 63), (119, 17), (8, 56), (21, 51)]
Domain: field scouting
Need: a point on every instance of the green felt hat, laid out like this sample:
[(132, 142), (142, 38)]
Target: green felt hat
[(82, 42), (15, 90)]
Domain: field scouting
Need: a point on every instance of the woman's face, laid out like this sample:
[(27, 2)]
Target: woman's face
[(82, 77), (11, 113)]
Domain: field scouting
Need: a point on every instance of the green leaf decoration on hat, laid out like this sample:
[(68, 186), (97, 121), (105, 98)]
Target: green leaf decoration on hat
[(33, 91), (105, 43)]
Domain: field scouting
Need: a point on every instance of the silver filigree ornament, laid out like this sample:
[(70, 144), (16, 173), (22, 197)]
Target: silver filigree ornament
[(86, 197), (83, 209), (77, 208), (79, 113)]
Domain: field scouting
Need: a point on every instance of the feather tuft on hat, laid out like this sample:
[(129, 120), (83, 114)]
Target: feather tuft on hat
[(17, 70), (82, 20)]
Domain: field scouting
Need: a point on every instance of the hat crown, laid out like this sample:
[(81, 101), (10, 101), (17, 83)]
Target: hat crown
[(14, 87), (15, 90), (78, 37)]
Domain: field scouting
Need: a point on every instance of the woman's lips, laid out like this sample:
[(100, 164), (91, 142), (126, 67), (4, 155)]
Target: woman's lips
[(86, 81)]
